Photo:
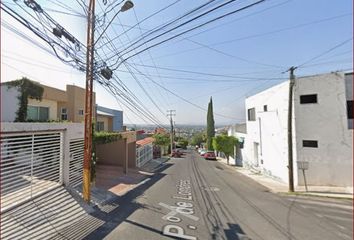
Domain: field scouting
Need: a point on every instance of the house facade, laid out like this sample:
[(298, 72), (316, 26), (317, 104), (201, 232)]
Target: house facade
[(240, 132), (108, 119), (56, 104), (322, 130), (59, 105)]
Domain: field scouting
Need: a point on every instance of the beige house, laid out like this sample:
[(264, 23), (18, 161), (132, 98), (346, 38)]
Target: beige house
[(56, 104), (104, 121), (61, 105)]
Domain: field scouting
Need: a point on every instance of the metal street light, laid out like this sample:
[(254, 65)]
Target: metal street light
[(126, 6)]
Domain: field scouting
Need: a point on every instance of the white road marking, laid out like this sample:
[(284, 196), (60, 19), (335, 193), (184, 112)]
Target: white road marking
[(192, 227), (174, 211)]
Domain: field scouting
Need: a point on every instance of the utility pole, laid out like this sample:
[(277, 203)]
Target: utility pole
[(290, 130), (171, 113), (86, 181)]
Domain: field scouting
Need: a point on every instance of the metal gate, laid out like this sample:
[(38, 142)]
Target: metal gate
[(31, 164), (76, 150)]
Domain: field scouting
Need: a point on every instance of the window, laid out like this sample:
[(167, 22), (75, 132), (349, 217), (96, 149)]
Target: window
[(64, 114), (251, 113), (37, 113), (81, 112), (310, 98), (350, 109), (241, 142), (310, 143), (265, 108), (100, 126)]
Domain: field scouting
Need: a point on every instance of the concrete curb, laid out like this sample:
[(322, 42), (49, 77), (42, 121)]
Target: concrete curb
[(281, 188)]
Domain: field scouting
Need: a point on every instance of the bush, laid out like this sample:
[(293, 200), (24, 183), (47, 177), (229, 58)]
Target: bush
[(105, 137)]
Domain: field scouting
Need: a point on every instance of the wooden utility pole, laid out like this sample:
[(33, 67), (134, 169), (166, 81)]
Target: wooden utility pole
[(86, 181), (171, 113), (290, 130)]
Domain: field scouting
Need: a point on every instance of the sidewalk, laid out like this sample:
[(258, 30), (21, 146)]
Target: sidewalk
[(111, 181), (279, 187), (155, 164)]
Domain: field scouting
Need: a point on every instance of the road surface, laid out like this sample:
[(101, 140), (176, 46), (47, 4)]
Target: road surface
[(192, 198)]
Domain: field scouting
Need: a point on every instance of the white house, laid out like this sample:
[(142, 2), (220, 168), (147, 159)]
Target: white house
[(240, 132), (322, 130)]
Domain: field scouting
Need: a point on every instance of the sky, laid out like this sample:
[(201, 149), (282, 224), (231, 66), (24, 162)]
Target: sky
[(228, 59)]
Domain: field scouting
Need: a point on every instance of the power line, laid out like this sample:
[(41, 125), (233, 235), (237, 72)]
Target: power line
[(146, 18), (233, 56), (257, 35), (182, 98), (191, 29), (203, 73), (189, 21), (114, 49), (325, 52)]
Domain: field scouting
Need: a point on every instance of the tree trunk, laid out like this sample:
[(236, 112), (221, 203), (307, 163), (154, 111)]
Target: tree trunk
[(227, 158)]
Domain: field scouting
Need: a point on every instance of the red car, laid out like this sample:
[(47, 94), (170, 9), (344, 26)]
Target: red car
[(209, 156)]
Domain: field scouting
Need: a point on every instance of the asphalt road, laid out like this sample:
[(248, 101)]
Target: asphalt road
[(192, 198)]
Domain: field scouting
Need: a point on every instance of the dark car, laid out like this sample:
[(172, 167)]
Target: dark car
[(210, 156), (176, 154)]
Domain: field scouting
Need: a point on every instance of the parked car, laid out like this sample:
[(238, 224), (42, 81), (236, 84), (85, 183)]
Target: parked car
[(210, 156), (202, 152), (176, 154)]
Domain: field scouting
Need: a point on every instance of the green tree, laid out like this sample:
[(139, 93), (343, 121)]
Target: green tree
[(161, 139), (210, 125), (225, 144), (182, 142), (198, 138), (28, 89)]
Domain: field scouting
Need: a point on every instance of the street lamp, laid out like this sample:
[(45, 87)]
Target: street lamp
[(126, 6), (86, 180)]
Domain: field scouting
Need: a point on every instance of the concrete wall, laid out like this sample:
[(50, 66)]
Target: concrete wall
[(265, 146), (326, 122), (9, 103), (111, 153), (349, 93), (76, 102), (132, 154), (114, 153)]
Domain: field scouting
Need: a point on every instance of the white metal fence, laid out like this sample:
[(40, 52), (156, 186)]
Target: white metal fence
[(76, 151), (37, 157), (31, 163), (144, 154)]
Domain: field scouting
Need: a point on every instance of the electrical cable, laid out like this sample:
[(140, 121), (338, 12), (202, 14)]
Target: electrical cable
[(191, 29), (325, 52), (182, 98)]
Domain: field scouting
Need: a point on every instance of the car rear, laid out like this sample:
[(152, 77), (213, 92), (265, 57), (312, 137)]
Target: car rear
[(210, 156)]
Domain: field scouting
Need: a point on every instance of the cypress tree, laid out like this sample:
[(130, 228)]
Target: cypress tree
[(210, 125)]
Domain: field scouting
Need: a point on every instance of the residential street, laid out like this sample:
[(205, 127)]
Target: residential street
[(192, 198)]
